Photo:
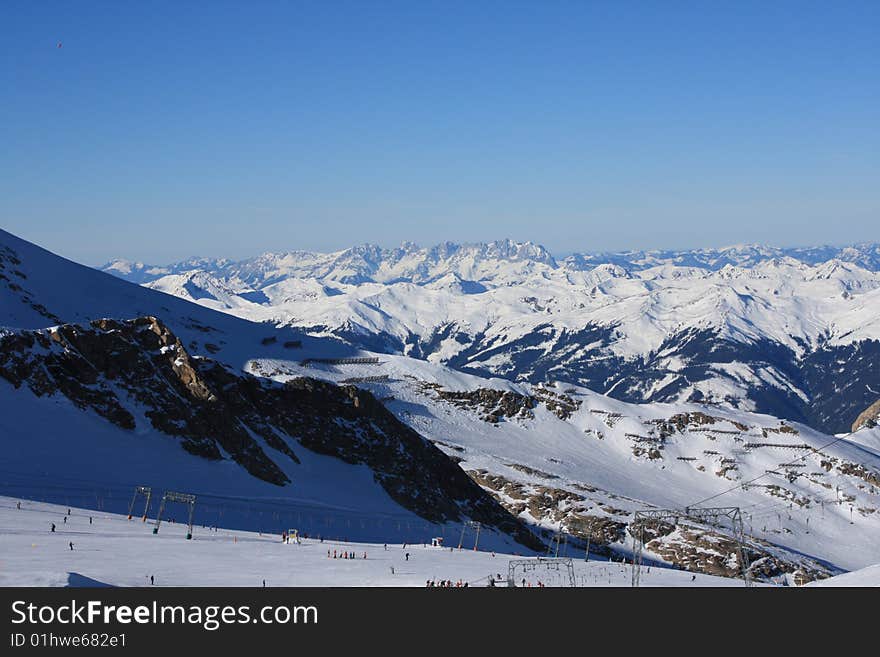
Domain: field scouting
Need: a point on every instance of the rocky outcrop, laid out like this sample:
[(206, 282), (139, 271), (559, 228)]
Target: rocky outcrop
[(497, 405), (562, 405), (706, 550), (869, 418), (493, 405), (134, 371), (587, 513)]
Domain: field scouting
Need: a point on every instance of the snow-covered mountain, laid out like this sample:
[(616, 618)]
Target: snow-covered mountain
[(409, 262), (791, 332), (310, 432)]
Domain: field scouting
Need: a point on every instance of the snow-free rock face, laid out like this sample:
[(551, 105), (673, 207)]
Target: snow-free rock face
[(868, 418), (790, 332)]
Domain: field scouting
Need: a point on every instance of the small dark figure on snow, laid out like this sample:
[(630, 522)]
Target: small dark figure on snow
[(53, 528), (152, 580), (693, 577), (407, 556), (264, 583), (71, 546), (18, 505), (90, 520), (65, 520)]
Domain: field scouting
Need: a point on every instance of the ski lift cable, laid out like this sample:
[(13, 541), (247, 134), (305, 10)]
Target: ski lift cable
[(90, 487), (813, 450)]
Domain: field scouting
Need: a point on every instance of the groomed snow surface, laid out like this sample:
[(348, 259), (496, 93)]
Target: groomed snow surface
[(115, 551)]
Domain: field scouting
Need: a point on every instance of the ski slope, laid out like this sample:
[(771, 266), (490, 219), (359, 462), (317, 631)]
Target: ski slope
[(113, 551), (590, 460), (570, 453), (869, 576)]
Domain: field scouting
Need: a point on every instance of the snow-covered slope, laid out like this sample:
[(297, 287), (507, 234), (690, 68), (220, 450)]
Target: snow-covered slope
[(792, 332), (558, 456), (869, 576), (563, 456), (113, 551)]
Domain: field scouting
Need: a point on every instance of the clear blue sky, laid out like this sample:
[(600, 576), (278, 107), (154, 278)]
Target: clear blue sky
[(162, 130)]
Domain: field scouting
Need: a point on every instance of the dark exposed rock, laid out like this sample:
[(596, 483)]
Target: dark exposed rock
[(868, 418), (706, 550), (495, 405), (601, 530), (532, 471)]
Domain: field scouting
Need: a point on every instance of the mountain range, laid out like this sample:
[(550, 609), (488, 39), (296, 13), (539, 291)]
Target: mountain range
[(790, 332)]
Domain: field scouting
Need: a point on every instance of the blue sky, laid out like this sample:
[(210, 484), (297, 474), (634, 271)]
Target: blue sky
[(163, 130)]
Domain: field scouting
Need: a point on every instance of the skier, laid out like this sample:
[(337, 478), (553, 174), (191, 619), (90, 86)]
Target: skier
[(65, 520), (71, 546), (693, 577), (53, 527), (90, 520), (392, 570), (152, 581), (264, 583), (407, 556), (18, 506)]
